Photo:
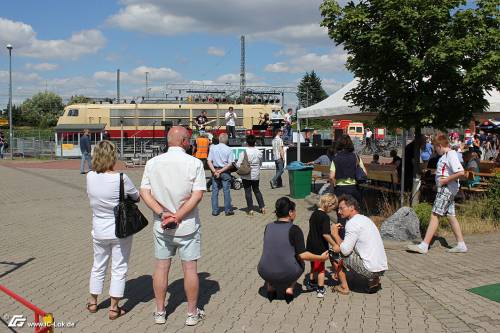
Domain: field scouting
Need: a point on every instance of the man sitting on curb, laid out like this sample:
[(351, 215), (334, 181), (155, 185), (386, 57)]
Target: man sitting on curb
[(361, 250)]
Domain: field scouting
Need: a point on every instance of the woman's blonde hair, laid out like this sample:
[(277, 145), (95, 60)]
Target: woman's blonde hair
[(104, 157), (328, 200)]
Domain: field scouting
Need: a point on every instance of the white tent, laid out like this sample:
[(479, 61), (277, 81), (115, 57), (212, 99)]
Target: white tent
[(336, 107)]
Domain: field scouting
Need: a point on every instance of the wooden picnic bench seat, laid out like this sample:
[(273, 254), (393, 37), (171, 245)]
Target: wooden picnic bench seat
[(320, 172), (382, 178)]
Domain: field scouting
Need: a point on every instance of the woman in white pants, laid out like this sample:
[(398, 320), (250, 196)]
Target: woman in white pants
[(103, 189)]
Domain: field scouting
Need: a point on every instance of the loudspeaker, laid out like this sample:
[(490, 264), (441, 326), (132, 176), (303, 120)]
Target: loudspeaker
[(234, 142)]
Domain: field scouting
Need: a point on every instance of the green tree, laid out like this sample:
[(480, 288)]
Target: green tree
[(43, 109), (17, 116), (309, 92), (419, 62), (78, 99)]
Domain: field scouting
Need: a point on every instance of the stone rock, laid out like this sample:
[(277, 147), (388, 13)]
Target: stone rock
[(403, 225)]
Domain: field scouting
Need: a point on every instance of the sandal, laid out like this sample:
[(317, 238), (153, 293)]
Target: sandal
[(117, 313), (92, 307), (341, 290)]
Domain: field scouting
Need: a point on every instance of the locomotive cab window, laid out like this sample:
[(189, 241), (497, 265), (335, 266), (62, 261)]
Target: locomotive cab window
[(73, 113)]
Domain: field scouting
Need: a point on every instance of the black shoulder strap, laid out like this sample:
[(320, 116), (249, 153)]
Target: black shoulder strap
[(122, 189)]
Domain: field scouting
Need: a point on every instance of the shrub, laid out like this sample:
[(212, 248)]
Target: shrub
[(423, 211), (493, 198)]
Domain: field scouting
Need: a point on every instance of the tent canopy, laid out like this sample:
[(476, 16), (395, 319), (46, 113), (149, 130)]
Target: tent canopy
[(336, 107)]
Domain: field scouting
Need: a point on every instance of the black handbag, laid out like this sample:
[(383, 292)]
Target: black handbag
[(128, 218)]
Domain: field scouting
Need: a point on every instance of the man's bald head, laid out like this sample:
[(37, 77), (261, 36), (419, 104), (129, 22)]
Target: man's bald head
[(176, 136)]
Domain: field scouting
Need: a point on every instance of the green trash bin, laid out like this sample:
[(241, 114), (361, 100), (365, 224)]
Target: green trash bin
[(300, 183)]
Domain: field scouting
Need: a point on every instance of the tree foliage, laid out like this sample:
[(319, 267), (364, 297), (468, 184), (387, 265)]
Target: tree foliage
[(419, 62), (310, 90), (78, 99), (42, 110)]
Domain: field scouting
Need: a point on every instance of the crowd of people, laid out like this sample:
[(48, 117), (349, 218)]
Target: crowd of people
[(173, 184)]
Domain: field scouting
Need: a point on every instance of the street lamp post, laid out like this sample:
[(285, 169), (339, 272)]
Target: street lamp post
[(11, 143)]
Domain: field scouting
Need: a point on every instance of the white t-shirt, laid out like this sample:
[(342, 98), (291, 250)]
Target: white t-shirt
[(103, 190), (447, 165), (172, 177), (230, 121), (288, 118), (277, 144), (362, 235), (255, 160), (369, 134), (276, 115)]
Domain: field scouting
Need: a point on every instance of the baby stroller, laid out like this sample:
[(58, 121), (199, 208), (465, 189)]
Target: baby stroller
[(236, 183)]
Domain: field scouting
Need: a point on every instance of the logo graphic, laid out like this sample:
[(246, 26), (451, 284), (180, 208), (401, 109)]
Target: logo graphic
[(17, 321)]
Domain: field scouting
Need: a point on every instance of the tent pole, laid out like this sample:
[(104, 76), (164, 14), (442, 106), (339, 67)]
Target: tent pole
[(298, 139)]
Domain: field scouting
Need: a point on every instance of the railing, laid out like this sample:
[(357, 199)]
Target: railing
[(40, 327), (31, 147)]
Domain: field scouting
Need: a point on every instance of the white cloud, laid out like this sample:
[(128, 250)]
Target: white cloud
[(310, 33), (218, 52), (25, 42), (19, 77), (279, 67), (138, 75), (331, 62), (161, 73), (149, 18), (331, 85), (41, 67), (261, 19)]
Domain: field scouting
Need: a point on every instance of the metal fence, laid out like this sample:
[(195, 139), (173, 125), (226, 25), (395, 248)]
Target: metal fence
[(32, 147)]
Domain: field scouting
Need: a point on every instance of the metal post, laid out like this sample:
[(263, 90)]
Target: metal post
[(154, 123), (147, 89), (298, 139), (121, 138), (118, 86), (403, 138), (11, 142)]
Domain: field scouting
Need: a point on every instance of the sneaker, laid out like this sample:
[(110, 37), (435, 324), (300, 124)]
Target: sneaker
[(417, 249), (310, 286), (160, 317), (193, 318), (271, 183), (230, 213), (250, 212), (320, 293), (457, 249)]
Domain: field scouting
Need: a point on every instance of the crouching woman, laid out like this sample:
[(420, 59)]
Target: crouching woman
[(282, 261)]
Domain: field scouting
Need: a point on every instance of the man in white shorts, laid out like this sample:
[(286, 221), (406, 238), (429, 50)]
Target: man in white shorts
[(448, 171), (172, 186)]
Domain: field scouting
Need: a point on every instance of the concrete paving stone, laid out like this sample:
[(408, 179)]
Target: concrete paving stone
[(56, 279)]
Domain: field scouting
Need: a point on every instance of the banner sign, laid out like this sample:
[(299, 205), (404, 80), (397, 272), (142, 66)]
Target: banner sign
[(267, 156)]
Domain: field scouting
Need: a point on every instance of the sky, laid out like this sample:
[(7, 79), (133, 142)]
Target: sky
[(75, 47)]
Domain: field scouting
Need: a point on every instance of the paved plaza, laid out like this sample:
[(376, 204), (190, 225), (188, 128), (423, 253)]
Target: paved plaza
[(46, 256)]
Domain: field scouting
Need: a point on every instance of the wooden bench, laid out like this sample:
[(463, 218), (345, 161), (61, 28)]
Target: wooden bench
[(320, 172), (378, 175)]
